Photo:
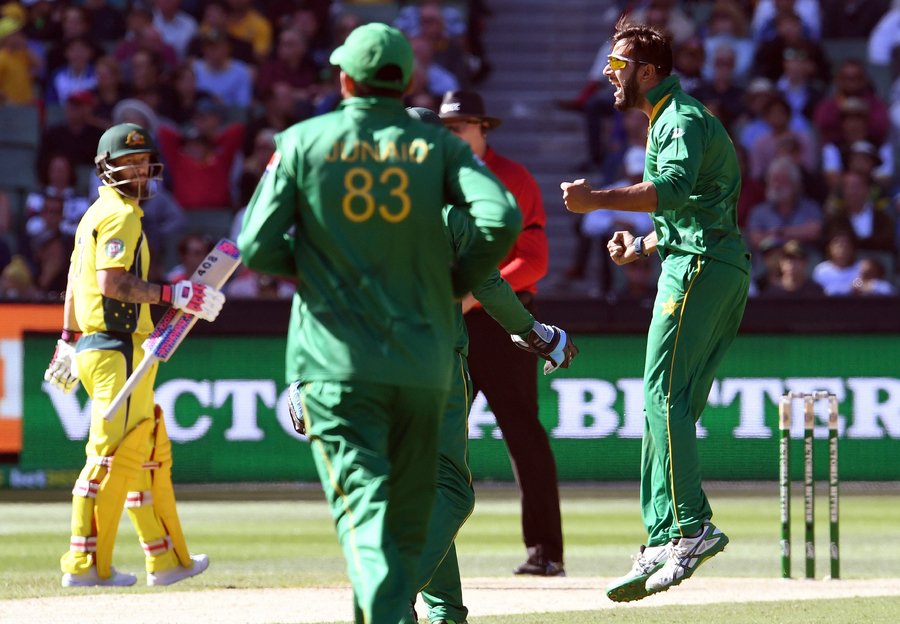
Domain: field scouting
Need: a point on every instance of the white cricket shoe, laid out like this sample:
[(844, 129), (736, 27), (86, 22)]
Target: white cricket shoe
[(92, 579), (686, 554), (631, 586), (178, 573)]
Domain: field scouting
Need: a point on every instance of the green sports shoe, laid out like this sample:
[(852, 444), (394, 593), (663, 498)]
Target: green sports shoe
[(686, 554), (631, 586)]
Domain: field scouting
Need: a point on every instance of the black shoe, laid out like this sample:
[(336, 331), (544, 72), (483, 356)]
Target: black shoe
[(538, 566)]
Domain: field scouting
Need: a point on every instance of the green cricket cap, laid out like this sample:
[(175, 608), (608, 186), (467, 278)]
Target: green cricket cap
[(372, 48), (122, 140)]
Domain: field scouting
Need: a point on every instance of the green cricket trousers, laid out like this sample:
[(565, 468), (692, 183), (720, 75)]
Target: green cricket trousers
[(439, 579), (375, 449), (698, 309)]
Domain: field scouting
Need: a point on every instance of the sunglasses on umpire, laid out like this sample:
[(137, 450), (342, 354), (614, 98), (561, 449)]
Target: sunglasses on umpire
[(617, 62)]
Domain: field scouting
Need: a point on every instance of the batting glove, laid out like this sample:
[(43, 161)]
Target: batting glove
[(549, 342), (200, 300), (62, 371)]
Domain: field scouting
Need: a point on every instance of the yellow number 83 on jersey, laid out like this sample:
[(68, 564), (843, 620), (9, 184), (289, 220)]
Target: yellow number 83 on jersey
[(358, 202)]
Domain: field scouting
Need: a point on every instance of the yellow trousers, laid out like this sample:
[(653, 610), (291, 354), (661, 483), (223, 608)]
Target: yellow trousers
[(104, 363)]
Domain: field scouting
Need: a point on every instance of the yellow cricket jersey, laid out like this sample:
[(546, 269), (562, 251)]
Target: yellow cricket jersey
[(109, 236)]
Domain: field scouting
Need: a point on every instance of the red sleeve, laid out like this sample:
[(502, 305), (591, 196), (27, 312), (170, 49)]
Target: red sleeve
[(230, 140), (169, 141), (526, 262)]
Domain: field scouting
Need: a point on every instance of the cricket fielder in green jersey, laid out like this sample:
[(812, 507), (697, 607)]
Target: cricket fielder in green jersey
[(439, 579), (691, 187), (351, 206)]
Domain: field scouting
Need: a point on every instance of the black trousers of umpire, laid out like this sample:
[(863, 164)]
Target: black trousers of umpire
[(507, 376)]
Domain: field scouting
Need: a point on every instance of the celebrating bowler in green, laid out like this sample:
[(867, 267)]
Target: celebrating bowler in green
[(351, 207), (691, 186)]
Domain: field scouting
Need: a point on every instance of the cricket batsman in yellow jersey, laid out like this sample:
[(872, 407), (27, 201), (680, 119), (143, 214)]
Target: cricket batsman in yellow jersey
[(691, 186), (129, 457)]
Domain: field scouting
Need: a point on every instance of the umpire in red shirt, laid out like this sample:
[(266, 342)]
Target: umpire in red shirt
[(506, 374)]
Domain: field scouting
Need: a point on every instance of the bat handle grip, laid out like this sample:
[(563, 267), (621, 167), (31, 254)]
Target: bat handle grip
[(130, 384)]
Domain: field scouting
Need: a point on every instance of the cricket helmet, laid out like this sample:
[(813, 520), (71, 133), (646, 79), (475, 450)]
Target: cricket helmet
[(121, 140)]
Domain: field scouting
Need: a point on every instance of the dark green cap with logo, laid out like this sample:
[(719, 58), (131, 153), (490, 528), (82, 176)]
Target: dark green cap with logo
[(122, 140), (371, 48)]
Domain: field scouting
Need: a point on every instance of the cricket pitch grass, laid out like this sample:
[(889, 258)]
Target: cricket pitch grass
[(275, 559)]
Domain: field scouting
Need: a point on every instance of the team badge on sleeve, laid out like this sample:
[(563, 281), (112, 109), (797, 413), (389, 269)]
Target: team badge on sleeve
[(273, 162), (115, 247)]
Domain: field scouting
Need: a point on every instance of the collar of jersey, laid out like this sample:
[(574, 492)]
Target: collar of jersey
[(383, 103), (661, 92), (111, 194)]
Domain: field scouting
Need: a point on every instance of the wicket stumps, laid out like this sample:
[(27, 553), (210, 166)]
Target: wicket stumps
[(784, 426)]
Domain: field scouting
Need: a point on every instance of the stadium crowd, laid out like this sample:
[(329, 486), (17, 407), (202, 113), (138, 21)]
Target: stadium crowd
[(215, 79)]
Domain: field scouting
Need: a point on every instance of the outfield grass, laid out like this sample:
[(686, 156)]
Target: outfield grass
[(291, 543)]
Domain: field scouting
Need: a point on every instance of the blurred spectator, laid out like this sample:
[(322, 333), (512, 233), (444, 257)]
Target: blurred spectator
[(147, 80), (291, 65), (786, 214), (75, 137), (248, 24), (876, 164), (766, 268), (41, 27), (218, 73), (638, 283), (76, 74), (19, 65), (254, 164), (199, 161), (841, 266), (767, 12), (106, 22), (252, 285), (854, 131), (57, 181), (141, 35), (448, 51), (668, 16), (885, 37), (409, 20), (215, 19), (753, 190), (720, 94), (793, 274), (312, 18), (769, 58), (873, 229), (851, 19), (688, 64), (131, 110), (8, 234), (109, 90), (176, 27), (50, 249), (73, 25), (437, 79), (17, 282), (183, 106), (812, 182), (598, 226), (871, 280), (279, 112), (192, 249), (797, 84), (727, 26), (851, 81), (765, 148)]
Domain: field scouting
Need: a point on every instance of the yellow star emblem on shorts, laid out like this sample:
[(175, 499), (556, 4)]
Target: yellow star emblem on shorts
[(670, 306)]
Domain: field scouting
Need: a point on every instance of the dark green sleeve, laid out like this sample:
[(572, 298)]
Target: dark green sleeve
[(500, 301), (264, 241), (494, 293), (492, 209), (680, 144)]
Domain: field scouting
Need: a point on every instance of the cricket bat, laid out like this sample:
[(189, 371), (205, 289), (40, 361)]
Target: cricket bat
[(174, 326)]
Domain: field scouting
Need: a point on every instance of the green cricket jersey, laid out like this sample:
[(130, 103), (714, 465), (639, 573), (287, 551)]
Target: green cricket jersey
[(494, 294), (351, 205), (692, 163)]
